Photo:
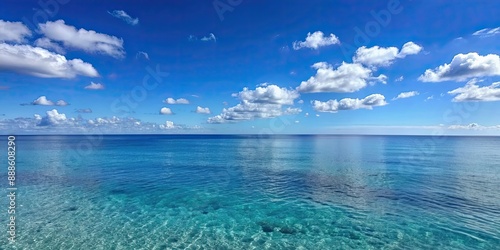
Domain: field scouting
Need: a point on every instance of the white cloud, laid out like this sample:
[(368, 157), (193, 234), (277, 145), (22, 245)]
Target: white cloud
[(201, 110), (62, 103), (94, 86), (40, 62), (13, 31), (473, 126), (86, 40), (292, 111), (333, 106), (463, 67), (409, 48), (375, 56), (52, 118), (84, 111), (347, 78), (406, 95), (42, 100), (271, 94), (48, 44), (167, 125), (178, 101), (210, 37), (381, 57), (316, 40), (55, 122), (471, 92), (249, 111), (399, 79), (142, 54), (263, 102), (120, 14), (487, 32), (430, 98), (165, 111)]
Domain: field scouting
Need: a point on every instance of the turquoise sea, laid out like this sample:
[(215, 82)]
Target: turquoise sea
[(254, 192)]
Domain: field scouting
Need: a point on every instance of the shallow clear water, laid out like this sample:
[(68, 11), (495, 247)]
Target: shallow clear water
[(246, 192)]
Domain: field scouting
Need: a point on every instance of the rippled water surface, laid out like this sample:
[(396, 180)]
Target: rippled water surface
[(246, 192)]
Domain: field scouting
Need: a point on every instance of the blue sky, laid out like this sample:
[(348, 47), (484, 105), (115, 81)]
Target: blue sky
[(259, 67)]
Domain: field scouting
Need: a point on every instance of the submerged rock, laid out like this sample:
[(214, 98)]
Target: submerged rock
[(288, 230), (267, 228)]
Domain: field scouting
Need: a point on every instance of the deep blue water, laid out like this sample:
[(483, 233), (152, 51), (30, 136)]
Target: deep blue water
[(251, 192)]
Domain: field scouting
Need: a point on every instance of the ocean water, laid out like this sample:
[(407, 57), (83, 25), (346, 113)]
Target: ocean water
[(251, 192)]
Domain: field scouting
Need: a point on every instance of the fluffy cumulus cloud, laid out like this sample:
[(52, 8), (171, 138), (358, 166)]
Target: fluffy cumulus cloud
[(487, 32), (201, 110), (82, 39), (48, 44), (43, 101), (165, 111), (409, 48), (266, 101), (167, 125), (333, 106), (347, 78), (316, 40), (25, 59), (381, 57), (171, 100), (52, 118), (120, 14), (408, 94), (13, 31), (471, 92), (463, 67), (268, 94), (94, 86)]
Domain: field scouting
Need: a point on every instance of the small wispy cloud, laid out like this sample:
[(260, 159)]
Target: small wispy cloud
[(84, 111), (210, 37), (487, 32), (94, 86), (120, 14), (406, 95), (142, 54)]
